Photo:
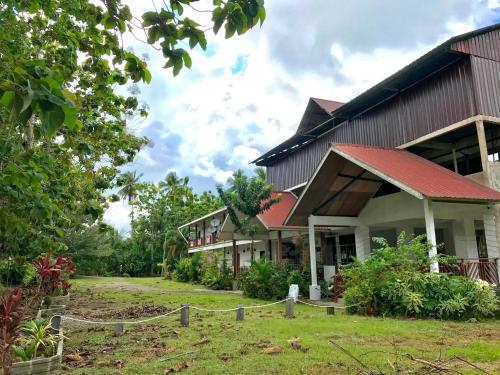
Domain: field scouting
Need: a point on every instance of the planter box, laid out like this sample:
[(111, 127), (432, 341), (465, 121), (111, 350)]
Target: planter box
[(42, 365)]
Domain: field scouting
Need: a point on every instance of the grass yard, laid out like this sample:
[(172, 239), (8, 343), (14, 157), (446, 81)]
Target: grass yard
[(220, 345)]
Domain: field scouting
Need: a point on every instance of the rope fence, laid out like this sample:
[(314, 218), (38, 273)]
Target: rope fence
[(185, 308)]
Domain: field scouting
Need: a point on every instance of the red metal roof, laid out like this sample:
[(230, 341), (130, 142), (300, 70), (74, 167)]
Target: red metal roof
[(416, 173), (328, 105), (276, 215)]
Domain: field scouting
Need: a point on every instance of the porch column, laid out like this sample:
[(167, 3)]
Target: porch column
[(362, 240), (490, 233), (235, 259), (337, 250), (313, 288), (430, 230), (483, 150), (279, 249)]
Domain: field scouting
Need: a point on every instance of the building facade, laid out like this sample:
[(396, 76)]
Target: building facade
[(418, 152)]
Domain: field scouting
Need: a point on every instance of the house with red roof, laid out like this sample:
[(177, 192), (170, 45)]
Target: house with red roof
[(418, 152)]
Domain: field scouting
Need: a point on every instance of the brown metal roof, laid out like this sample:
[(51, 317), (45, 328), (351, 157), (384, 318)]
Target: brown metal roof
[(433, 61)]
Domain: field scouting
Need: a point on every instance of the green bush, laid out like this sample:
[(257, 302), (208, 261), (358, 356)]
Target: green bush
[(182, 270), (17, 271), (297, 277), (216, 276), (396, 281), (264, 280)]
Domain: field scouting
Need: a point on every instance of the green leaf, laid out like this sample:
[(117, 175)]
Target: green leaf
[(187, 60), (7, 98), (52, 117), (28, 98), (70, 116), (149, 19), (147, 76), (262, 15)]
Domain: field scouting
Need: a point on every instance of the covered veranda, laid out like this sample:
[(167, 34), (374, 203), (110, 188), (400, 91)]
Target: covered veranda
[(372, 191)]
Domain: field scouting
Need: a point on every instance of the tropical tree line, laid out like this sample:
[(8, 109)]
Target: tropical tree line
[(64, 126)]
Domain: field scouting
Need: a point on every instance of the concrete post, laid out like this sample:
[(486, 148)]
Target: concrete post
[(362, 239), (185, 315), (289, 308), (240, 313), (430, 230)]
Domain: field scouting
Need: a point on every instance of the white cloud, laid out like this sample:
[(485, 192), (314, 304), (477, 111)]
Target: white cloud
[(118, 214)]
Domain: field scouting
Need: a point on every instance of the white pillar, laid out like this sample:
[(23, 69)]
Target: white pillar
[(362, 239), (490, 232), (314, 289), (312, 252), (431, 233)]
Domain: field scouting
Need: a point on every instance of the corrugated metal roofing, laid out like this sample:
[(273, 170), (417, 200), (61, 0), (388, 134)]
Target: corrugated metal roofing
[(415, 173), (276, 215)]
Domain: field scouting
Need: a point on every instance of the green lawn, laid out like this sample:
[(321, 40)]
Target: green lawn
[(237, 347)]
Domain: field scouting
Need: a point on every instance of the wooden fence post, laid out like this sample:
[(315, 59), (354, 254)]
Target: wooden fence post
[(240, 313), (185, 315), (289, 308)]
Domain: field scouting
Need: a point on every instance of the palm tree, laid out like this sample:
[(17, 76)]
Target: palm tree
[(250, 197), (130, 186)]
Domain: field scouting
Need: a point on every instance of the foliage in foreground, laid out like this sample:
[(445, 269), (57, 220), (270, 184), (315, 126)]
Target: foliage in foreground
[(267, 280), (36, 340), (396, 281), (10, 318)]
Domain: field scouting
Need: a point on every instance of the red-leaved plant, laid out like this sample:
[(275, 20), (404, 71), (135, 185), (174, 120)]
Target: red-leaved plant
[(54, 272), (10, 317)]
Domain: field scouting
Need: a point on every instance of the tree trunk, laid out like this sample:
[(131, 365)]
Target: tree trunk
[(252, 256)]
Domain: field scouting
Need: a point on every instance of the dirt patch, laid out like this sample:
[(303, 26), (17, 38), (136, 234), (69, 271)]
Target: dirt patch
[(142, 311)]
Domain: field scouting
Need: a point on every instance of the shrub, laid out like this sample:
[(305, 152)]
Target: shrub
[(182, 270), (195, 270), (264, 280), (297, 277), (36, 339), (17, 271), (10, 317), (54, 273), (396, 281), (216, 276)]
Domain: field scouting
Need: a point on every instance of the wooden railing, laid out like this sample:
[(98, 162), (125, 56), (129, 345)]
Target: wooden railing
[(478, 268)]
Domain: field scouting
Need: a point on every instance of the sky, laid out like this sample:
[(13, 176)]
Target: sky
[(247, 94)]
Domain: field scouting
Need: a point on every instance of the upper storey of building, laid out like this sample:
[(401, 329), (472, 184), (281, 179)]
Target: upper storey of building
[(457, 80)]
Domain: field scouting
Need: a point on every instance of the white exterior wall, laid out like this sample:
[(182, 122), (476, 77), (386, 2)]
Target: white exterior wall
[(405, 212), (363, 242)]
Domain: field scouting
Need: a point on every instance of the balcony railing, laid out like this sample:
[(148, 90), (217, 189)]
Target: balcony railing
[(209, 240), (479, 268)]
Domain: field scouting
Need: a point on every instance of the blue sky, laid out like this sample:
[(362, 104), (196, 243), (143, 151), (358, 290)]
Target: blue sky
[(245, 95)]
